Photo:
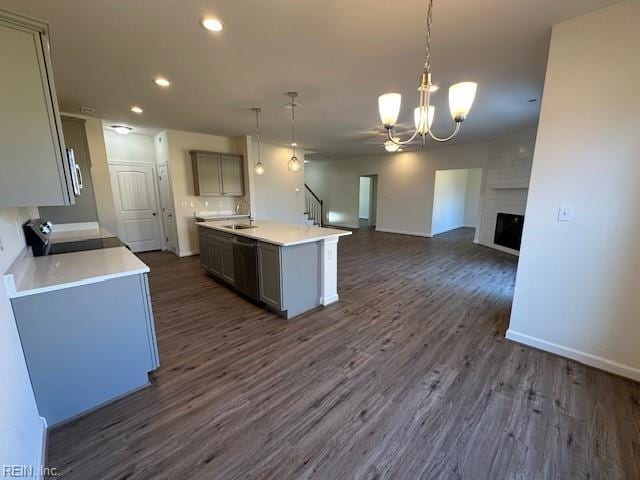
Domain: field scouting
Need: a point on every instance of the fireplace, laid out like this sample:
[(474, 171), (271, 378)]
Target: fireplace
[(508, 230)]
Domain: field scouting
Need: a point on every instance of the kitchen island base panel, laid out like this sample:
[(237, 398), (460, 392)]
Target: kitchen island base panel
[(329, 271)]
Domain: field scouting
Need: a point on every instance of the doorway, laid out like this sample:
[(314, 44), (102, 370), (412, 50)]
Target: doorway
[(166, 206), (367, 200), (456, 200), (135, 199)]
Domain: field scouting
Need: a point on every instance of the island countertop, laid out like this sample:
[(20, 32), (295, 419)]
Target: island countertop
[(30, 275), (277, 233)]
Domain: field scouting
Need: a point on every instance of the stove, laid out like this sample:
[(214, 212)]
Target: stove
[(37, 234)]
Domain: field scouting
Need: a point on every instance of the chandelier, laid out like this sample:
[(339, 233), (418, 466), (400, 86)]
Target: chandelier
[(294, 165), (259, 168), (461, 97)]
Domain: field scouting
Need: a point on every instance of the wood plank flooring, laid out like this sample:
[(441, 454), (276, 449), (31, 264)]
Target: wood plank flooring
[(408, 376)]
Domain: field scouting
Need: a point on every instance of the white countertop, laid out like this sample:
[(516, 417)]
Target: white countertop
[(282, 234), (30, 275)]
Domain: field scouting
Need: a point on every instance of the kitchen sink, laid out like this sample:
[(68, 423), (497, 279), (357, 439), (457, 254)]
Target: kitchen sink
[(239, 226)]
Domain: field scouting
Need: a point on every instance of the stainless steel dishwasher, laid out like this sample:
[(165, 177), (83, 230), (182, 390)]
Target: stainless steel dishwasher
[(245, 266)]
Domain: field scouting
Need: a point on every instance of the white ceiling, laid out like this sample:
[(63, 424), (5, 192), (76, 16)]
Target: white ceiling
[(339, 54)]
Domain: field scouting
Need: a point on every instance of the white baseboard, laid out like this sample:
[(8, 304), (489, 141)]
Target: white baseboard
[(188, 253), (343, 225), (42, 461), (328, 300), (403, 232), (577, 355)]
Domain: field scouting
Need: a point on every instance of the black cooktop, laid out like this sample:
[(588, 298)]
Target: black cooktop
[(80, 245)]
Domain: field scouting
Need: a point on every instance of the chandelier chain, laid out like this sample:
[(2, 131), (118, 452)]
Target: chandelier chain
[(427, 58)]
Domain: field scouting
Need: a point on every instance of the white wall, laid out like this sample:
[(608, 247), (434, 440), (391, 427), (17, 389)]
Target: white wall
[(21, 428), (405, 189), (507, 181), (472, 197), (278, 194), (131, 148), (577, 283), (363, 197), (449, 200)]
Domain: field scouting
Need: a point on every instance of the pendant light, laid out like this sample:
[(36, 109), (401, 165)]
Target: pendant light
[(461, 96), (259, 168), (294, 165)]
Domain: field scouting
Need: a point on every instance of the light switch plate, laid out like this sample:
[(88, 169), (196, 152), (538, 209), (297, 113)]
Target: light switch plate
[(565, 213)]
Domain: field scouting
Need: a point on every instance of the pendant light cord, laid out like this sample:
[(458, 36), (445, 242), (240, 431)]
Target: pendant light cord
[(293, 125), (257, 110)]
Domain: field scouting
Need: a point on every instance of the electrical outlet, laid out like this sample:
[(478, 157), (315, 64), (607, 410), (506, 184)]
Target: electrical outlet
[(565, 213)]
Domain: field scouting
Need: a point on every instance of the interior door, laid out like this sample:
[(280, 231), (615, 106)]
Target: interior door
[(166, 204), (135, 200)]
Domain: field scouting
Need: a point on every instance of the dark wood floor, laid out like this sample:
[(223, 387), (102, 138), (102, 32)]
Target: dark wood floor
[(408, 376)]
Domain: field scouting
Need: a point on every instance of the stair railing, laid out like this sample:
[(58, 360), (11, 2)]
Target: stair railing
[(314, 207)]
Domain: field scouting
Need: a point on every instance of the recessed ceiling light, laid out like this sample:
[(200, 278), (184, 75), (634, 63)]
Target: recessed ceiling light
[(212, 24), (121, 129), (161, 82), (136, 109)]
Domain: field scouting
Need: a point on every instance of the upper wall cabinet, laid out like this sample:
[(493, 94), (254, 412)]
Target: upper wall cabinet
[(35, 168), (217, 174)]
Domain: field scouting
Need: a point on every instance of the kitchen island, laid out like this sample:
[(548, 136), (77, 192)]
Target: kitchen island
[(289, 268)]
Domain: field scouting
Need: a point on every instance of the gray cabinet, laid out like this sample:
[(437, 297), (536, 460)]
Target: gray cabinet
[(84, 210), (216, 174), (207, 177), (288, 277), (269, 276), (35, 169), (232, 179), (216, 254), (84, 349)]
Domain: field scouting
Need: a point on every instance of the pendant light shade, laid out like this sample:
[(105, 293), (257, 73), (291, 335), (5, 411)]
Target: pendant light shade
[(423, 122), (389, 107), (461, 96), (259, 168), (294, 165)]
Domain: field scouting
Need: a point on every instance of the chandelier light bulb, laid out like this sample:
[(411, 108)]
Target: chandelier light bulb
[(423, 122), (259, 168), (390, 146)]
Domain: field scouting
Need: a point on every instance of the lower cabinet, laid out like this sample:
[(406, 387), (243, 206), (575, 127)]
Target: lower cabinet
[(269, 277), (216, 254), (87, 345)]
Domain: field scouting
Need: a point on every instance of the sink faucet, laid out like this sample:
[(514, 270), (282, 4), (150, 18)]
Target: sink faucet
[(244, 200)]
